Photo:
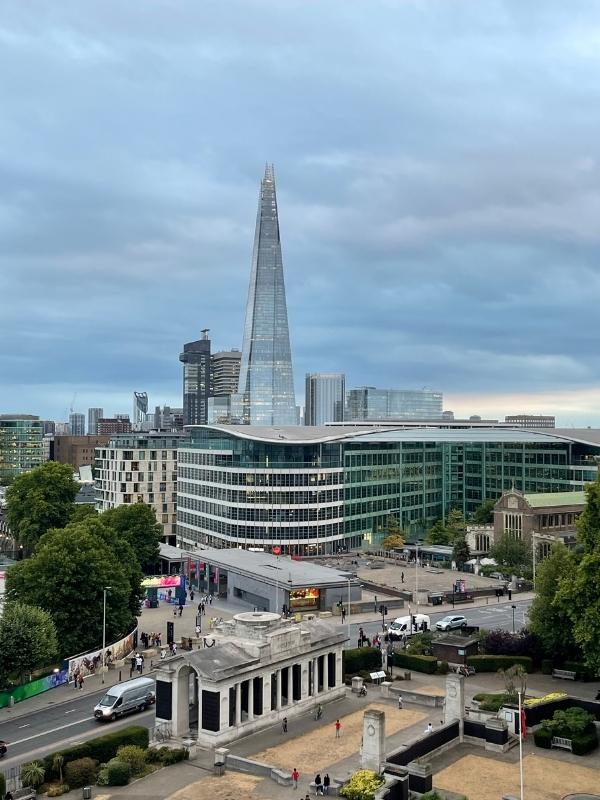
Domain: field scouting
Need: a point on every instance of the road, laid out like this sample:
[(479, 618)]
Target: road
[(495, 615), (46, 730)]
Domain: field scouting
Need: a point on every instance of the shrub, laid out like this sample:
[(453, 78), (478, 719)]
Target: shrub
[(166, 755), (57, 789), (134, 756), (582, 672), (584, 742), (102, 748), (547, 698), (362, 785), (81, 772), (420, 644), (2, 785), (118, 772), (547, 666), (442, 668), (570, 722), (503, 643), (53, 764), (543, 738), (494, 663), (32, 774), (491, 702), (426, 664), (361, 658)]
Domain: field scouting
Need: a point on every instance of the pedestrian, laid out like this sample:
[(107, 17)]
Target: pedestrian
[(307, 797), (159, 639), (338, 726), (375, 604), (163, 654), (198, 630), (295, 776), (139, 663), (174, 648), (9, 796), (326, 782), (429, 728), (76, 681), (180, 610), (284, 725), (318, 784), (402, 577), (81, 680), (132, 665), (399, 702)]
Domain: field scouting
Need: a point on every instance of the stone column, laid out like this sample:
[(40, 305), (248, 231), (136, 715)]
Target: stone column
[(304, 667), (267, 693), (238, 704), (181, 700), (454, 708), (279, 689), (325, 672), (373, 747), (315, 666), (250, 698)]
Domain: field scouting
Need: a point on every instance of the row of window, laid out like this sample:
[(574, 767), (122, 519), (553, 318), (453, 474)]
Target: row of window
[(231, 478), (273, 534), (251, 513)]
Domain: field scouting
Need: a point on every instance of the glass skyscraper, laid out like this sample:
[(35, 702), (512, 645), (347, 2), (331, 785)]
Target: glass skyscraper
[(324, 402), (371, 403), (265, 393)]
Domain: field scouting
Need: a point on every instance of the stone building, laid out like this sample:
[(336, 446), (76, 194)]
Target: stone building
[(549, 516), (258, 670)]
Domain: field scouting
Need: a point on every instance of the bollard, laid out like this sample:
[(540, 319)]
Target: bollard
[(119, 676)]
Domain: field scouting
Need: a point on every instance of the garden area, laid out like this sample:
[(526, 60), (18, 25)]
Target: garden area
[(574, 726), (111, 760)]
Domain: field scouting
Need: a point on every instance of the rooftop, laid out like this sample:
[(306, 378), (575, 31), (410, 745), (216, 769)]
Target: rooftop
[(556, 499)]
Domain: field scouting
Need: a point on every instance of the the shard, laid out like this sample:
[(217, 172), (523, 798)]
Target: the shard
[(266, 383)]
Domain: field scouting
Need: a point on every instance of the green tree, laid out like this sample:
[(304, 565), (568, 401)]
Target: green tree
[(460, 550), (33, 774), (66, 576), (512, 555), (137, 523), (455, 525), (484, 513), (82, 511), (39, 500), (393, 534), (438, 534), (549, 613), (28, 640)]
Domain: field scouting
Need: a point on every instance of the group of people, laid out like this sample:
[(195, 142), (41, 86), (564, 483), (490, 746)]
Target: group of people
[(172, 650), (136, 663), (151, 639), (78, 679), (321, 784)]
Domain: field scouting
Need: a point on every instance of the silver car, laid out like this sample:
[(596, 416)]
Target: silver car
[(451, 621)]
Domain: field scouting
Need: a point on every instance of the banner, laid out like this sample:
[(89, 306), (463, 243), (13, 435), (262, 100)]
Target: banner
[(161, 581), (33, 688), (88, 663)]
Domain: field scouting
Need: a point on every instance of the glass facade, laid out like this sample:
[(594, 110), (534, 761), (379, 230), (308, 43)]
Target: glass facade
[(266, 386), (337, 490), (196, 380), (324, 401), (370, 403), (21, 445)]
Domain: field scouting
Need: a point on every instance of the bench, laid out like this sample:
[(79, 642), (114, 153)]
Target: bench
[(27, 793), (564, 744), (567, 674)]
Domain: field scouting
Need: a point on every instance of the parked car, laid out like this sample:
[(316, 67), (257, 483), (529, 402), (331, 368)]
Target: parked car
[(450, 622)]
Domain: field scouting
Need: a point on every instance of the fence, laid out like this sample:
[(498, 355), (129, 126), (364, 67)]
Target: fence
[(161, 732), (13, 778), (426, 745)]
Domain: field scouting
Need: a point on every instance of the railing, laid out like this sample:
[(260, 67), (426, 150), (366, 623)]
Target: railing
[(161, 732), (13, 778)]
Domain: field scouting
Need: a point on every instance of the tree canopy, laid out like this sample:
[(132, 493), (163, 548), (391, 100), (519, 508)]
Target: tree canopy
[(28, 640), (40, 499), (511, 554), (394, 537), (445, 532), (484, 514), (460, 551), (137, 523)]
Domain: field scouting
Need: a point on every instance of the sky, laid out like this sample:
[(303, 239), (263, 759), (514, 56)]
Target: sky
[(437, 166)]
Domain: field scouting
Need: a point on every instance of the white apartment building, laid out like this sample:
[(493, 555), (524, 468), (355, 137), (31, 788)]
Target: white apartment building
[(140, 468)]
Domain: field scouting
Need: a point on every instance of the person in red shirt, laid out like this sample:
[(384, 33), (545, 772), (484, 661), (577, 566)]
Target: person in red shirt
[(295, 776), (338, 726)]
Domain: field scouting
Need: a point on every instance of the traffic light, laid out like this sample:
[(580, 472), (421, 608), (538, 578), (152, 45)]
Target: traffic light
[(382, 609), (384, 612), (414, 622)]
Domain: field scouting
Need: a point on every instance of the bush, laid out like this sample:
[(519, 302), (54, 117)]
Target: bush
[(57, 789), (361, 658), (547, 666), (102, 748), (2, 785), (166, 755), (426, 664), (81, 772), (543, 738), (32, 774), (134, 756), (442, 668), (491, 702), (118, 772), (584, 742), (503, 643), (362, 785), (582, 673), (494, 663)]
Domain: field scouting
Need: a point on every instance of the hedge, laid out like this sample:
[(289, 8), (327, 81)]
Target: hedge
[(81, 772), (584, 743), (543, 738), (361, 659), (417, 663), (494, 663), (583, 673), (102, 748)]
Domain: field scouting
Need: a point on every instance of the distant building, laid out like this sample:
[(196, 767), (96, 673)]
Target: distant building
[(140, 468), (49, 426), (225, 372), (114, 425), (21, 447), (368, 403), (62, 429), (140, 409), (219, 410), (165, 419), (531, 420), (78, 451), (94, 414), (122, 416), (77, 424), (324, 398), (196, 380)]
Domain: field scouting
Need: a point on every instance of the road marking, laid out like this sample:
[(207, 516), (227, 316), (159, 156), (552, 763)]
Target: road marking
[(51, 730), (24, 726), (72, 711)]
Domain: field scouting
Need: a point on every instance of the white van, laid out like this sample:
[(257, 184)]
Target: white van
[(407, 626), (135, 695)]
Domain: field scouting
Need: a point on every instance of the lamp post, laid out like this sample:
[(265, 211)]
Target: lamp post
[(106, 588), (348, 609), (520, 743), (417, 577), (513, 610)]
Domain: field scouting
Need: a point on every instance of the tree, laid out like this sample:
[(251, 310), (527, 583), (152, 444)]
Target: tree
[(137, 523), (438, 534), (82, 511), (32, 774), (40, 499), (66, 576), (394, 537), (460, 551), (484, 513), (515, 681), (512, 555), (28, 640), (455, 525), (549, 613)]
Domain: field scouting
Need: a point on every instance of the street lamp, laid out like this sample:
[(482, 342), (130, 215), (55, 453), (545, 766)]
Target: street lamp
[(514, 608), (106, 588), (348, 609)]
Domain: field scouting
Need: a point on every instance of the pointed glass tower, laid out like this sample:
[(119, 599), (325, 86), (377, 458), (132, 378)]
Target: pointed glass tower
[(266, 383)]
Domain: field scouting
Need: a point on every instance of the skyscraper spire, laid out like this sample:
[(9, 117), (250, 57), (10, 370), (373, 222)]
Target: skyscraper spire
[(266, 384)]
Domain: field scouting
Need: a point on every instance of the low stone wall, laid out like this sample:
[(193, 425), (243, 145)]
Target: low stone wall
[(414, 696), (247, 765)]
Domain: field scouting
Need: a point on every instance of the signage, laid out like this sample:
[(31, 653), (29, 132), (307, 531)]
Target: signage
[(277, 550)]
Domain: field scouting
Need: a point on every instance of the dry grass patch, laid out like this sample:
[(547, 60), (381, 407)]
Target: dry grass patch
[(231, 786), (433, 691), (544, 778), (319, 749)]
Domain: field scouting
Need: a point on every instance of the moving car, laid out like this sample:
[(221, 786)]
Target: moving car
[(407, 626), (135, 695), (451, 621)]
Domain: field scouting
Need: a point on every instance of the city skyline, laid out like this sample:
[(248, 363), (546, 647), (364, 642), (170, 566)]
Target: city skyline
[(439, 211)]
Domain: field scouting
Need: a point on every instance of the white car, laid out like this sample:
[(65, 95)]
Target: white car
[(450, 622)]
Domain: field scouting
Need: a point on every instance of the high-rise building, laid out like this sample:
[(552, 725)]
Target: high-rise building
[(325, 397), (140, 409), (265, 393), (94, 414), (531, 420), (21, 445), (196, 380), (371, 403), (77, 424), (225, 372)]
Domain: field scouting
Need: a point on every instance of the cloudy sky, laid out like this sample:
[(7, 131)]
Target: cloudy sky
[(437, 164)]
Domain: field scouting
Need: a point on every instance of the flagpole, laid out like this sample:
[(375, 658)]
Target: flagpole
[(520, 743)]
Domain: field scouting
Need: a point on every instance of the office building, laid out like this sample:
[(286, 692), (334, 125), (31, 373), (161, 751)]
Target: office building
[(369, 403), (225, 372), (49, 426), (265, 393), (165, 419), (77, 424), (78, 451), (21, 446), (196, 380), (318, 490), (531, 420), (94, 414), (140, 468), (324, 399), (140, 409), (113, 425)]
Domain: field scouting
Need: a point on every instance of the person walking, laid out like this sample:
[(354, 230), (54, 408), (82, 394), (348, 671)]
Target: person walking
[(402, 577), (163, 654), (318, 785), (326, 782), (338, 727), (429, 728), (132, 665), (180, 610), (295, 776), (399, 702), (81, 680), (284, 725)]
